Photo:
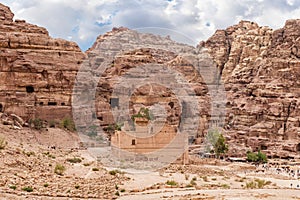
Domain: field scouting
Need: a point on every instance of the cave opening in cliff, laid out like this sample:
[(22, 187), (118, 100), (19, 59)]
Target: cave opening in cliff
[(1, 107), (29, 89), (298, 148), (50, 103)]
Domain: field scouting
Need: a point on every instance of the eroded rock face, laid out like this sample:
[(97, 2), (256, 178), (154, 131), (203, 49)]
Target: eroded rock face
[(36, 71), (260, 69)]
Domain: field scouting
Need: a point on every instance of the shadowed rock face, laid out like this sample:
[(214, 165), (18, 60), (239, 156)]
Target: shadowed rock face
[(36, 71), (261, 69)]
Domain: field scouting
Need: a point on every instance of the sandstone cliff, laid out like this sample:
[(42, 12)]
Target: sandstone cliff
[(260, 68), (36, 71)]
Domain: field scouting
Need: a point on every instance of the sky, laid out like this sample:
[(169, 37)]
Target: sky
[(188, 21)]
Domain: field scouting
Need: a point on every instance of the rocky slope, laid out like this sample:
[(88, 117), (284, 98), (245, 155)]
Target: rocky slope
[(260, 68)]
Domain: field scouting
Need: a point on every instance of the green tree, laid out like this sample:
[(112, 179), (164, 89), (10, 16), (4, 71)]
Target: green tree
[(216, 142), (220, 147)]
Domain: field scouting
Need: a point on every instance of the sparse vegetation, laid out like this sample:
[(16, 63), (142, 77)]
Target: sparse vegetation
[(59, 169), (172, 183), (27, 189), (30, 153), (77, 186), (13, 187), (68, 124), (74, 160), (257, 183), (143, 113), (3, 143), (36, 123), (46, 185), (49, 155), (114, 172), (122, 190), (114, 127), (205, 178), (225, 186), (95, 169), (193, 183), (257, 157)]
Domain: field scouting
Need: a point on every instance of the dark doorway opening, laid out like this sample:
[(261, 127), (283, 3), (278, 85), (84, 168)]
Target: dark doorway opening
[(133, 142), (298, 147), (29, 89), (1, 107)]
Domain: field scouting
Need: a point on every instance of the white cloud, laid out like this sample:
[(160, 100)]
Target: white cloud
[(83, 20)]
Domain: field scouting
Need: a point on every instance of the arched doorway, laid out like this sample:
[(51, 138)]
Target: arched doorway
[(298, 148)]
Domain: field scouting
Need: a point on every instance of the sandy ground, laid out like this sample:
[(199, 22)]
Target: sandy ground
[(232, 194), (29, 159)]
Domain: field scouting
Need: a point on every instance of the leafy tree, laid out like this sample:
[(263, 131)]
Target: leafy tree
[(216, 142), (220, 147)]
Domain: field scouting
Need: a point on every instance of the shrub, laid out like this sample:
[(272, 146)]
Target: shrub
[(3, 143), (257, 157), (205, 178), (27, 189), (114, 172), (122, 190), (257, 183), (59, 169), (77, 186), (193, 183), (225, 186), (172, 183), (74, 160), (36, 123), (143, 113), (68, 124), (13, 187), (46, 185), (95, 169)]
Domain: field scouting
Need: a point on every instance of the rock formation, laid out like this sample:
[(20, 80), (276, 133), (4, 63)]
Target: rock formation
[(36, 71), (260, 69)]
